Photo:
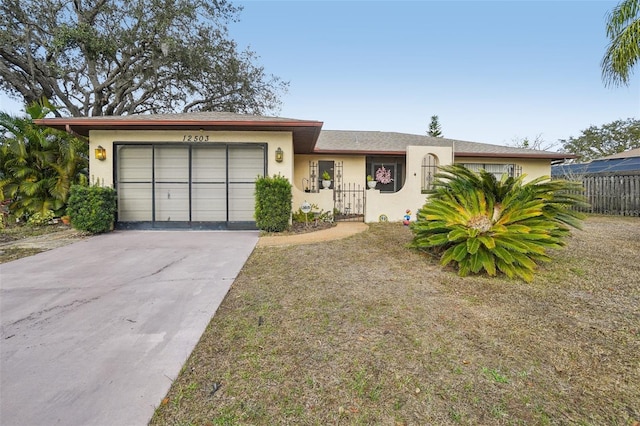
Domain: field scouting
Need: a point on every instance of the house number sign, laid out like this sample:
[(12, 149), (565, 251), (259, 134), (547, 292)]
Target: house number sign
[(195, 138)]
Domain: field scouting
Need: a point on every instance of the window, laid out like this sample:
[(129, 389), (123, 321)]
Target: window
[(429, 168), (511, 170), (391, 168), (325, 166)]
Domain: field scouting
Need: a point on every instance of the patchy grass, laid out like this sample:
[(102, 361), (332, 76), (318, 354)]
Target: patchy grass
[(19, 232), (366, 331), (14, 253), (18, 241)]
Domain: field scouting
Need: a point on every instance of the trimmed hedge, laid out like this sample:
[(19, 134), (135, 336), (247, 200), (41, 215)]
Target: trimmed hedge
[(92, 208), (273, 203)]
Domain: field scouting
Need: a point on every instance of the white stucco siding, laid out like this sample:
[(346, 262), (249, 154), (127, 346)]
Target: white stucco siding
[(392, 205), (354, 169), (395, 205)]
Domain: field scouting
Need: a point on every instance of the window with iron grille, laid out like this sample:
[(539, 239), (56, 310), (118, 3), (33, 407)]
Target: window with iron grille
[(511, 170), (429, 168)]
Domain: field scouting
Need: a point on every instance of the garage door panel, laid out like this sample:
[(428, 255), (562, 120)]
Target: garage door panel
[(172, 164), (245, 164), (209, 164), (209, 203), (242, 204), (134, 202), (172, 202), (134, 163)]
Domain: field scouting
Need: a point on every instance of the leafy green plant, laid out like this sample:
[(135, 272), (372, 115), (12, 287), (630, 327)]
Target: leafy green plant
[(326, 175), (316, 214), (273, 203), (483, 224), (301, 217), (92, 208), (40, 218), (38, 165)]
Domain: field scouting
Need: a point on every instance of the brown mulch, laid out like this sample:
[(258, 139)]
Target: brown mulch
[(303, 228)]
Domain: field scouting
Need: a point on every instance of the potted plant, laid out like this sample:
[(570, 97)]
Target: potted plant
[(326, 179), (371, 183)]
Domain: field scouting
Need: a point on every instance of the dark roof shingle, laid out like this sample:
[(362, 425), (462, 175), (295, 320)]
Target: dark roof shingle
[(353, 141)]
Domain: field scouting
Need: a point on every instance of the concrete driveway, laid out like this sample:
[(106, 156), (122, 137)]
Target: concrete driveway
[(93, 333)]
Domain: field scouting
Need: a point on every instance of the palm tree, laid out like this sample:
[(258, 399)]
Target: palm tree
[(482, 223), (623, 52), (38, 165)]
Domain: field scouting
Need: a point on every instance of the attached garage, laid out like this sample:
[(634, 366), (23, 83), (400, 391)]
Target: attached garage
[(163, 185), (191, 170)]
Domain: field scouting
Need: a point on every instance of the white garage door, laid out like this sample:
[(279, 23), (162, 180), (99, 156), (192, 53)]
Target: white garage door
[(188, 185)]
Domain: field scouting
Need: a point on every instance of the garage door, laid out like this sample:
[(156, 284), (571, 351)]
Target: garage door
[(201, 186)]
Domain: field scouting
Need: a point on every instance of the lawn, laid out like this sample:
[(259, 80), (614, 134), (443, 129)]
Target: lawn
[(18, 241), (366, 331)]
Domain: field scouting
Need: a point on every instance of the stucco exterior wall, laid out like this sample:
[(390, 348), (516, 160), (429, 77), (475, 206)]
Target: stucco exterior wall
[(532, 168), (410, 197), (354, 171), (102, 171), (392, 205), (354, 168)]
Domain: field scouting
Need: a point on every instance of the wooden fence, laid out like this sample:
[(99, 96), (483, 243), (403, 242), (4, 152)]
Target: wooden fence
[(613, 194)]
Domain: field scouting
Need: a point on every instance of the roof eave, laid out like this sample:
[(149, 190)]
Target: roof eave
[(87, 124), (541, 156), (357, 152), (305, 132)]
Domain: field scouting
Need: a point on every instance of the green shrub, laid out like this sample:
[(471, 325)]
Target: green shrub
[(40, 218), (273, 203), (481, 223), (316, 213), (92, 208)]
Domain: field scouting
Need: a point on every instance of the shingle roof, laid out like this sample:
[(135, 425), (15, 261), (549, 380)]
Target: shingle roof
[(353, 141), (305, 133), (625, 154)]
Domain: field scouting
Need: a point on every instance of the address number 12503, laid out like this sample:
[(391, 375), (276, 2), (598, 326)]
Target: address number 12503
[(195, 138)]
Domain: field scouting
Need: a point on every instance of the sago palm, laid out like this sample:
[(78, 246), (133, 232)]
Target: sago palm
[(484, 224)]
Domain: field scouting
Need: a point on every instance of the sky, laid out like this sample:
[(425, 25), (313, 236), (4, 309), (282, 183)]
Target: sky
[(492, 71)]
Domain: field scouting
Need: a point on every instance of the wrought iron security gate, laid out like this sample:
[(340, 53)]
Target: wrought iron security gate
[(349, 202), (349, 199)]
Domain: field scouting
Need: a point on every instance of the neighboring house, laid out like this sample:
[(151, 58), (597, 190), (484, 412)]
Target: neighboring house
[(198, 170), (626, 162), (611, 184)]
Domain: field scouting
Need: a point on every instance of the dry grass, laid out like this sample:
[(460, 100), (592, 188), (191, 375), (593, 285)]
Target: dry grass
[(21, 241), (366, 331)]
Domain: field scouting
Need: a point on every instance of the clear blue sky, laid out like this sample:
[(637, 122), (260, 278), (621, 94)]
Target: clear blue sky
[(491, 70)]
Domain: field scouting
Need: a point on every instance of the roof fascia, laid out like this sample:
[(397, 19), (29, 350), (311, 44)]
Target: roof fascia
[(356, 152), (541, 156)]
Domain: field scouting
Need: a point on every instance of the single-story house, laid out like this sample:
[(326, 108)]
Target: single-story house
[(198, 170)]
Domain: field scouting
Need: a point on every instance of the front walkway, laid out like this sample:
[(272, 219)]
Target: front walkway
[(341, 230)]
